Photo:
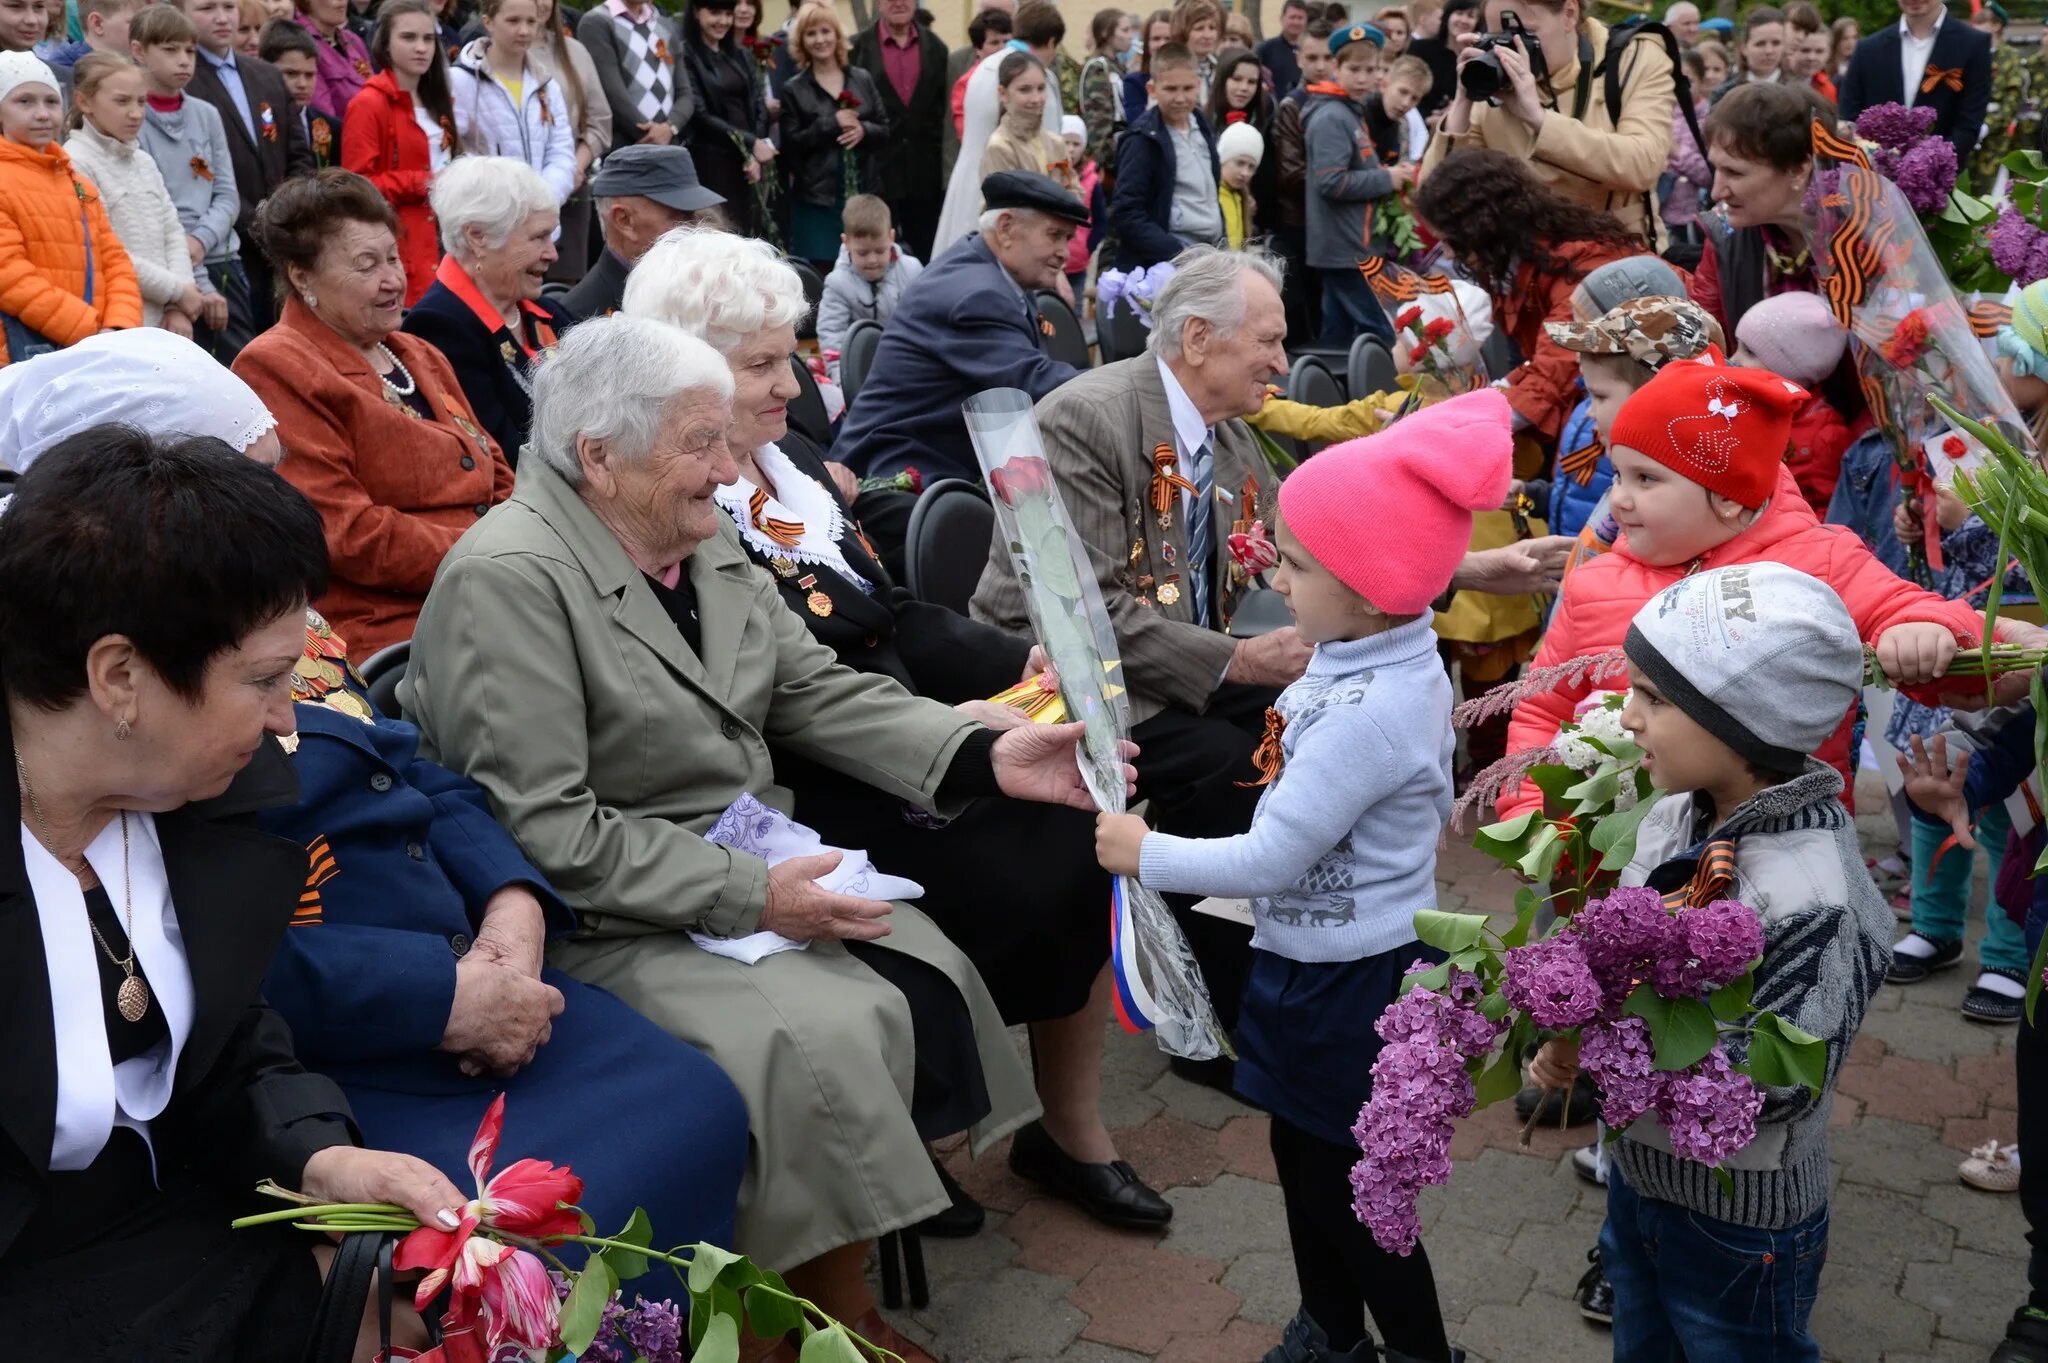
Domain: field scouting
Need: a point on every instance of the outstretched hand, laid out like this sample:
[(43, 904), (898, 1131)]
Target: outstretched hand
[(1037, 762), (1937, 789)]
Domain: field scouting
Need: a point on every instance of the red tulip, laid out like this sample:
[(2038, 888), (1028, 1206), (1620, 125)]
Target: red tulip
[(519, 1303), (526, 1199)]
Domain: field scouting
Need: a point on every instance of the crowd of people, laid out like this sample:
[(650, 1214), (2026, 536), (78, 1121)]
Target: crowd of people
[(473, 338)]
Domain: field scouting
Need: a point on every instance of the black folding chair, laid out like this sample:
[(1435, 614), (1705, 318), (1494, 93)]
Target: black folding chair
[(857, 356), (814, 291), (1311, 382), (1121, 333), (807, 408), (381, 674), (1371, 367), (1066, 341), (947, 542)]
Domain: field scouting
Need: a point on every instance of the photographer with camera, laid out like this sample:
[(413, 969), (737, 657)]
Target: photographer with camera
[(1542, 82)]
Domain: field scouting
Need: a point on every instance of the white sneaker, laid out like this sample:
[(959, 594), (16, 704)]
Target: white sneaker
[(1992, 1167), (1586, 1164)]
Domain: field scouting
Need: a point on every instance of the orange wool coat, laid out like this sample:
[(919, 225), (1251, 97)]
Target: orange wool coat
[(46, 210), (394, 491)]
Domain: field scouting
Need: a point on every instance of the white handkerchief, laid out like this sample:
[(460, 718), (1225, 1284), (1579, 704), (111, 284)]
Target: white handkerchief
[(752, 827)]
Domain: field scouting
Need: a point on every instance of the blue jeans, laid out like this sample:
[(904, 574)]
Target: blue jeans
[(1732, 1294), (1350, 308)]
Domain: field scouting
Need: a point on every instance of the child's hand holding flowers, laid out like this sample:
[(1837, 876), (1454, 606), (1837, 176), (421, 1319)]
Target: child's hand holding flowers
[(1117, 840), (1916, 653)]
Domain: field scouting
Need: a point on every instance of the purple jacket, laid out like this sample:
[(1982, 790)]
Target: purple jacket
[(342, 72)]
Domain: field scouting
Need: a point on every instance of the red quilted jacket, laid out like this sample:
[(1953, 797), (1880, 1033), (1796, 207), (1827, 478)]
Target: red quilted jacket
[(46, 210), (382, 142)]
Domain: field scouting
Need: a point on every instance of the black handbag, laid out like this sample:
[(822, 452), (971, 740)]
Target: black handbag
[(25, 342), (362, 1263)]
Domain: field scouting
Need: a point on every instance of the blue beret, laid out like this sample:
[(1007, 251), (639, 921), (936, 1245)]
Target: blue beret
[(1357, 33)]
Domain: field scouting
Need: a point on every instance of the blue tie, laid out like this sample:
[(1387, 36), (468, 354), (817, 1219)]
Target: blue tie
[(1201, 537)]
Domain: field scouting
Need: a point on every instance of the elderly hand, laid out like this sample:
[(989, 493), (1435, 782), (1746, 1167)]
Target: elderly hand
[(845, 480), (514, 931), (1118, 838), (1276, 658), (802, 911), (343, 1173), (990, 715), (501, 1017), (1037, 664), (1037, 762), (1535, 565), (658, 133)]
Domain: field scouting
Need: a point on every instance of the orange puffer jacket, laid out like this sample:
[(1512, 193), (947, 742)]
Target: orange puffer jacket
[(46, 209)]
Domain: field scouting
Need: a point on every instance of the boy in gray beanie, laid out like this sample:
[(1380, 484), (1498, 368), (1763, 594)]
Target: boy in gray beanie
[(1738, 675)]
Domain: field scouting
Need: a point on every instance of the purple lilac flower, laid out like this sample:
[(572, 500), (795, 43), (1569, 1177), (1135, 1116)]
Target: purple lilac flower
[(1618, 1056), (655, 1329), (1623, 936), (1894, 126), (2018, 247), (1400, 1154), (1551, 982), (1710, 946), (1926, 174), (1709, 1110)]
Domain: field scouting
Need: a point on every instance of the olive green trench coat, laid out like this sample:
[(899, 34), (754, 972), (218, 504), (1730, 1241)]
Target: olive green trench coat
[(546, 669)]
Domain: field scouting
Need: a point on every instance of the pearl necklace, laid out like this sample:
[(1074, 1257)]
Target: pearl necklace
[(410, 387)]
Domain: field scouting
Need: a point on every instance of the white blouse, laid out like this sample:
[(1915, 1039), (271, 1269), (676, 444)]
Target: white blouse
[(797, 497)]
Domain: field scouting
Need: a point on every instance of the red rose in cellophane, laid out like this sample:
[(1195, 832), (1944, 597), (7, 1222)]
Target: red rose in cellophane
[(1019, 478)]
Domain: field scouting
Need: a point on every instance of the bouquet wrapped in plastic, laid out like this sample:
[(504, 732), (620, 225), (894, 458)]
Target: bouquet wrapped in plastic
[(1158, 984), (1433, 339)]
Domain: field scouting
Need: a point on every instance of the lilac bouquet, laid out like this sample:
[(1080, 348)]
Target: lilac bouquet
[(645, 1332), (1137, 288), (1956, 222)]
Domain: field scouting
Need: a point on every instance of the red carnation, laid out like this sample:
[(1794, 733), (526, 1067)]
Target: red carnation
[(1409, 316), (1419, 354), (1439, 329), (1954, 447), (848, 99)]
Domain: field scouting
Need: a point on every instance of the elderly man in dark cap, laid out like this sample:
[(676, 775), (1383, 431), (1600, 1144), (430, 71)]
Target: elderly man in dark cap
[(641, 192), (967, 323)]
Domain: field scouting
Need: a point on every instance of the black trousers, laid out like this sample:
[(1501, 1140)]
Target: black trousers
[(1301, 292), (2030, 1058), (231, 280), (1342, 1271), (1190, 768), (917, 222)]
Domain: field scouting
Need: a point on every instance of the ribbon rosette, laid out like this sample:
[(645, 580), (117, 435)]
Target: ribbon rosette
[(201, 169), (1253, 550)]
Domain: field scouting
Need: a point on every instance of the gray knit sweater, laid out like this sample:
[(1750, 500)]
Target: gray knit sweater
[(1827, 936), (190, 147)]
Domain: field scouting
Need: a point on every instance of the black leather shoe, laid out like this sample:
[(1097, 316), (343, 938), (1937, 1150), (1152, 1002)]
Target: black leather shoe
[(1111, 1193), (1594, 1294), (1213, 1074), (1992, 1006), (958, 1221), (1909, 969), (2026, 1339)]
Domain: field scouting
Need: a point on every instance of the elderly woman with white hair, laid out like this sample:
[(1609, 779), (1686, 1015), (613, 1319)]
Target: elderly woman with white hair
[(485, 311), (383, 442), (1039, 933), (603, 658)]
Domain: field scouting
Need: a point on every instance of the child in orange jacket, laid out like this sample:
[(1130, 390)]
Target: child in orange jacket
[(63, 273)]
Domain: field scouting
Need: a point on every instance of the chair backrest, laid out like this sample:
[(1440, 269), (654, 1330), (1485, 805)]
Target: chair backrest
[(1067, 341), (807, 409), (1500, 353), (814, 293), (1310, 381), (858, 356), (1121, 333), (946, 544), (382, 671), (1371, 367)]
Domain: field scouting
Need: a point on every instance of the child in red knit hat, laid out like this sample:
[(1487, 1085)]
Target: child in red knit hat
[(1341, 852), (1700, 482)]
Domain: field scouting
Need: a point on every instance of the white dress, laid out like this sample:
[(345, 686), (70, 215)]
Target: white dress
[(981, 111)]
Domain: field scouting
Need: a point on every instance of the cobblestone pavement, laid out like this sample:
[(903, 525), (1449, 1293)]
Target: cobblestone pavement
[(1921, 1268)]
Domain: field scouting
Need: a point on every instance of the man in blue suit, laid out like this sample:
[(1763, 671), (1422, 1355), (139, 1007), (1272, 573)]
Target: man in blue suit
[(1945, 62), (967, 324)]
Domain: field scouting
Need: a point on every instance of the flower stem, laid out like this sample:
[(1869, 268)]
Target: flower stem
[(326, 1209)]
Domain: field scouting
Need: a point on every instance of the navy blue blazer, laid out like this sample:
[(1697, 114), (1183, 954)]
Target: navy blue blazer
[(1874, 78), (961, 327), (492, 369), (1142, 207)]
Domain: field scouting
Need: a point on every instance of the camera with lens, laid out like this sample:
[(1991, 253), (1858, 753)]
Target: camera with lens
[(1482, 77)]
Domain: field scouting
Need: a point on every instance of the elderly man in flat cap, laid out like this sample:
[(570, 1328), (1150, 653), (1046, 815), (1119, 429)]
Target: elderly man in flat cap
[(641, 192)]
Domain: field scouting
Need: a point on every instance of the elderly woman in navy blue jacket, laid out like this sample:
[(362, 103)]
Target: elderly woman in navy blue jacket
[(412, 976)]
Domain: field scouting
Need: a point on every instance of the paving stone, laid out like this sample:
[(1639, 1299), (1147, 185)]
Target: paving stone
[(1972, 1293), (1142, 1300), (1921, 1091), (1990, 1222), (1892, 1154), (1088, 1351), (1859, 1315), (1171, 1153), (1499, 1128), (972, 1259), (1498, 1191), (1197, 1103), (1875, 1228), (1543, 1329), (1927, 1027), (1012, 1313), (989, 1179), (1051, 1235), (1472, 1268), (1126, 1108), (1246, 1143), (1964, 1134), (1945, 1351), (1265, 1280), (1227, 1218), (1994, 1074), (1241, 1341), (1557, 1253)]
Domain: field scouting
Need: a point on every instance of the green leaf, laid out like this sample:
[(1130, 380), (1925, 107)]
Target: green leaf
[(767, 1314), (831, 1345), (1432, 979), (1614, 837), (721, 1342), (1553, 780), (1494, 1006), (1503, 841), (583, 1312), (1730, 1002), (1527, 901), (639, 1231), (1775, 1061), (1682, 1030), (1596, 790), (707, 1261), (1451, 932), (1501, 1079), (1539, 859), (1725, 1179)]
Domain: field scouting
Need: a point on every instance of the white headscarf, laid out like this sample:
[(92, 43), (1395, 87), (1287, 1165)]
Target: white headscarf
[(144, 377), (981, 111)]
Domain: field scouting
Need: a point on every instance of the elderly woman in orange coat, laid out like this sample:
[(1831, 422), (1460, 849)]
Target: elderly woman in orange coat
[(379, 435), (63, 273)]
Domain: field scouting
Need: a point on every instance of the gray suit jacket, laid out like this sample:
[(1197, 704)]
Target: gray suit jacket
[(1100, 432)]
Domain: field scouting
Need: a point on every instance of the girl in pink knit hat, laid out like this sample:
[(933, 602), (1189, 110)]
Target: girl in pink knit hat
[(1341, 852)]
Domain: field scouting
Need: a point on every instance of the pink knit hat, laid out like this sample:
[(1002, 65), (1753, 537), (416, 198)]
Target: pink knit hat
[(1391, 514), (1794, 334)]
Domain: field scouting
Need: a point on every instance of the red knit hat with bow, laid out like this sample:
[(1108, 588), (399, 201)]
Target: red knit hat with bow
[(1721, 427)]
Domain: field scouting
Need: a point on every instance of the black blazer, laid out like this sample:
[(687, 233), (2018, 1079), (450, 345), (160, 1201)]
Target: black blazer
[(261, 163), (478, 355), (929, 649), (907, 166), (602, 290), (1874, 78), (810, 137), (241, 1108)]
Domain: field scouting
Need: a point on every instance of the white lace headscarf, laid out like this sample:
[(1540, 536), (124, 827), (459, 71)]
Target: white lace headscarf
[(143, 377)]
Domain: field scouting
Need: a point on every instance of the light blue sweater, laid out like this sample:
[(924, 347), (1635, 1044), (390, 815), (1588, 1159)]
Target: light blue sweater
[(1342, 849)]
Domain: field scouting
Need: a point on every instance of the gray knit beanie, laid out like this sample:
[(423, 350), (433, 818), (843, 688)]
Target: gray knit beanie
[(1762, 656)]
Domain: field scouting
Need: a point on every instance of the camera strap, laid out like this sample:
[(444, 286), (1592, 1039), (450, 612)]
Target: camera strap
[(1584, 92)]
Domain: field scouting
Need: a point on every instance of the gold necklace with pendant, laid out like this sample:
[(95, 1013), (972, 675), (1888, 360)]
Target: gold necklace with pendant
[(132, 999)]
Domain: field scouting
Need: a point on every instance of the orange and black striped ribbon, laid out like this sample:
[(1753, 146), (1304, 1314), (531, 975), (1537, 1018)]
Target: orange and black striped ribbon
[(1166, 479), (788, 534), (1581, 462), (1713, 879), (1986, 317), (1268, 758), (1952, 78), (320, 868)]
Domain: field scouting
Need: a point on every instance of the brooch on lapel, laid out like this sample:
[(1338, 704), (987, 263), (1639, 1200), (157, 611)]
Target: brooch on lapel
[(323, 138), (817, 603), (268, 120), (506, 349), (362, 68), (1169, 590), (661, 51)]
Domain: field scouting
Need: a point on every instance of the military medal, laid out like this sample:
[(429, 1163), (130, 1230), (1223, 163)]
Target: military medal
[(816, 602), (1169, 591), (1137, 551), (1167, 551), (782, 566)]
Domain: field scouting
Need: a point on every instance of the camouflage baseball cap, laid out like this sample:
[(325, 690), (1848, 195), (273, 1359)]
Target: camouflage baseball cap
[(1651, 330)]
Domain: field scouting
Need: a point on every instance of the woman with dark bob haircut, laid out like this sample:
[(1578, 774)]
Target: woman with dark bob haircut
[(152, 604), (1528, 246)]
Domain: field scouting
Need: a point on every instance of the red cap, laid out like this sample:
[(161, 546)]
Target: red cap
[(1721, 427)]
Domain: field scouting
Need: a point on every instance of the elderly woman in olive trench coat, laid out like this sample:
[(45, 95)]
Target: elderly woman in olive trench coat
[(556, 667)]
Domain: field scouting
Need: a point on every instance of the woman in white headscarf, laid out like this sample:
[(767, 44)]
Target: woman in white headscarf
[(981, 115)]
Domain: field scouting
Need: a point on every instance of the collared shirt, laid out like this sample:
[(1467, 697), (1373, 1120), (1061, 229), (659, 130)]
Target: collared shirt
[(1190, 432), (902, 62), (638, 14), (1914, 52), (231, 79)]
